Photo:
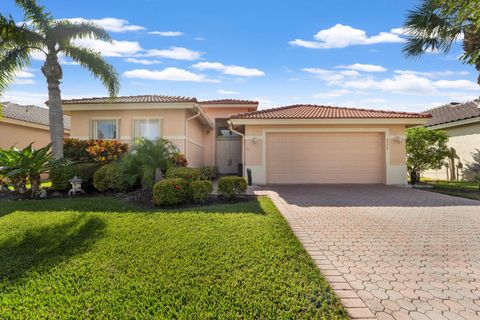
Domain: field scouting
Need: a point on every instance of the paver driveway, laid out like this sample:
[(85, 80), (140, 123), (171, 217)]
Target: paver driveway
[(390, 252)]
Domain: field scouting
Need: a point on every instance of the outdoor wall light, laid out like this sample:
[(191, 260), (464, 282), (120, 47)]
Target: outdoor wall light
[(254, 140)]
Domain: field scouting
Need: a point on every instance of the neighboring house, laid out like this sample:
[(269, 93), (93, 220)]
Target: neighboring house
[(21, 125), (461, 121), (294, 144)]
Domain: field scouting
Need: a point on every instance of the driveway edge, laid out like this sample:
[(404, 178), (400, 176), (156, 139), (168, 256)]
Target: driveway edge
[(353, 304)]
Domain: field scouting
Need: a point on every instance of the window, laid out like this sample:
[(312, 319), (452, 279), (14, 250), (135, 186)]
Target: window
[(105, 129), (225, 132), (148, 129)]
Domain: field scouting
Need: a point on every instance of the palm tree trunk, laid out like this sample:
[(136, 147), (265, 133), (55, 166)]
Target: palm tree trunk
[(53, 72)]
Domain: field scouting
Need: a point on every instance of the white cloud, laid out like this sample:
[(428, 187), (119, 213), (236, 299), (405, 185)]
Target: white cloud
[(363, 67), (199, 38), (332, 94), (457, 84), (177, 53), (167, 33), (24, 78), (330, 76), (226, 92), (111, 24), (117, 48), (167, 74), (230, 70), (341, 36), (433, 74), (143, 61)]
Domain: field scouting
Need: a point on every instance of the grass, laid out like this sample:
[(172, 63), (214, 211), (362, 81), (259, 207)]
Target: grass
[(98, 258), (464, 189), (44, 184)]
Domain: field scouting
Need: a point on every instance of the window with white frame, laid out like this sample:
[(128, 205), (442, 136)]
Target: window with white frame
[(148, 129), (105, 129)]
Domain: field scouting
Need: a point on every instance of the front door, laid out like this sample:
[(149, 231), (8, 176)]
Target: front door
[(229, 154)]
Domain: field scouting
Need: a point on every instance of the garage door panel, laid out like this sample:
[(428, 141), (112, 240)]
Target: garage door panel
[(325, 158)]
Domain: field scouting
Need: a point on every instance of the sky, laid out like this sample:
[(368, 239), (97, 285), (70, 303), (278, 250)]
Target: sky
[(344, 53)]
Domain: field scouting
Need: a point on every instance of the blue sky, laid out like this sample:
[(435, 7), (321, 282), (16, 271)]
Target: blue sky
[(335, 52)]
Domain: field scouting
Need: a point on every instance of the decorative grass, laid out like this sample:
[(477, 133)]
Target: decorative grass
[(98, 258)]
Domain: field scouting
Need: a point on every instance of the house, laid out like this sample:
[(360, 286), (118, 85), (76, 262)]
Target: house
[(461, 121), (21, 125), (293, 144)]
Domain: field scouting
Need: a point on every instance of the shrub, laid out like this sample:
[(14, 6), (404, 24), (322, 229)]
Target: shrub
[(106, 151), (171, 192), (189, 174), (201, 190), (76, 150), (208, 173), (178, 160), (61, 175), (110, 178), (231, 186)]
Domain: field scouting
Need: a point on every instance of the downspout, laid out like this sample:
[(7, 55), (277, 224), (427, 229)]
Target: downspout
[(186, 129), (244, 160)]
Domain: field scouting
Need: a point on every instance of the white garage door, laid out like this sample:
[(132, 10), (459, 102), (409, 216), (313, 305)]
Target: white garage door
[(325, 157)]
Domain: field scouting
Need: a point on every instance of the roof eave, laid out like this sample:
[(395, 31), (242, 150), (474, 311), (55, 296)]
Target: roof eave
[(404, 121), (128, 106), (454, 123)]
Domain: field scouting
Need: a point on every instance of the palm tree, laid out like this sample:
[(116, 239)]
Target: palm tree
[(436, 24), (41, 32)]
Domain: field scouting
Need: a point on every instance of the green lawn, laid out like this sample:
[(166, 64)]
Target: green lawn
[(452, 184), (98, 258)]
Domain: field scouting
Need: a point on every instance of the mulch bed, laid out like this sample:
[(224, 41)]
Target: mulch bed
[(141, 198)]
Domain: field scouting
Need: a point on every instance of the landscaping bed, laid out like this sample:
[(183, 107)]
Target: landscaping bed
[(464, 189), (103, 258)]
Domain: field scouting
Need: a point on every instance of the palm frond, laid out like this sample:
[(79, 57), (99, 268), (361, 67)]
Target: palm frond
[(12, 60), (97, 66), (36, 13), (65, 30), (11, 33), (430, 29)]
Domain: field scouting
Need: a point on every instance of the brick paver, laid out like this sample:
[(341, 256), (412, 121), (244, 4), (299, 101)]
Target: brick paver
[(390, 252)]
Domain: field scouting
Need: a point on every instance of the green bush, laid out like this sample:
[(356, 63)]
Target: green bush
[(231, 186), (61, 175), (189, 174), (208, 173), (171, 192), (110, 178), (76, 150), (201, 190)]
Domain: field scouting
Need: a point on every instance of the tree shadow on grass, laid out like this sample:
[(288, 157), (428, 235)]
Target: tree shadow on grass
[(41, 248)]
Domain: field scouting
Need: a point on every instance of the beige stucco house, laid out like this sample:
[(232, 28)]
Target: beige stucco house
[(21, 125), (294, 144), (461, 121)]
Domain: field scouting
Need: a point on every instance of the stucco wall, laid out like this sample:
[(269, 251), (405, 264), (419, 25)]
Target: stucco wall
[(22, 135), (195, 148), (172, 123), (395, 168), (465, 139)]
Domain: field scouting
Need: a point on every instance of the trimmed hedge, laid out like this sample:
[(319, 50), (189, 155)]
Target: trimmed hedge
[(171, 192), (201, 190), (189, 174), (208, 173), (232, 186), (60, 175), (110, 178)]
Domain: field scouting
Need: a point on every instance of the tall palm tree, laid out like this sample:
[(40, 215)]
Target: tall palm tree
[(41, 32), (436, 24)]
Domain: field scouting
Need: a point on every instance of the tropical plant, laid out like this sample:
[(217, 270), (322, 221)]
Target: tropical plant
[(178, 160), (106, 151), (471, 172), (145, 159), (189, 174), (27, 164), (76, 150), (435, 25), (171, 192), (426, 149), (40, 32)]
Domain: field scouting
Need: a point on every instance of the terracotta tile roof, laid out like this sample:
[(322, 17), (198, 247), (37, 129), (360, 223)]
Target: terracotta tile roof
[(229, 101), (453, 112), (30, 113), (153, 98), (302, 111)]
